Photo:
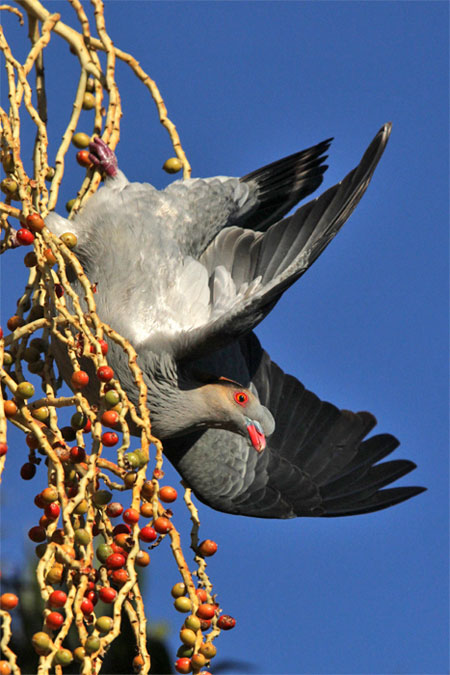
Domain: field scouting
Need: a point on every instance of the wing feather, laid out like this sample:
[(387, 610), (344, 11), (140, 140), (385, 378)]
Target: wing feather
[(316, 462)]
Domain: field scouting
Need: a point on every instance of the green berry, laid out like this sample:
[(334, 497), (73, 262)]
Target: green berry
[(63, 657), (133, 460), (88, 101), (24, 390), (9, 186), (82, 536), (41, 413), (178, 590), (112, 398), (81, 140), (78, 420), (101, 497), (182, 604), (41, 643), (193, 622), (104, 624), (188, 637), (92, 644), (173, 165), (69, 239), (7, 358), (103, 552), (79, 653)]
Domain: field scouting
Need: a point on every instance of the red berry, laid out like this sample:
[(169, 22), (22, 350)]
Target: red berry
[(131, 516), (88, 427), (162, 525), (79, 379), (109, 438), (92, 596), (207, 548), (59, 290), (115, 561), (167, 494), (103, 347), (206, 611), (148, 534), (25, 237), (86, 606), (107, 594), (105, 373), (57, 599), (114, 509), (119, 549), (205, 624), (226, 622), (183, 665), (3, 449), (54, 620), (77, 454), (201, 594), (52, 511), (83, 158)]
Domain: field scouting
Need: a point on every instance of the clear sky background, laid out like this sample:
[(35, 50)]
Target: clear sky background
[(365, 328)]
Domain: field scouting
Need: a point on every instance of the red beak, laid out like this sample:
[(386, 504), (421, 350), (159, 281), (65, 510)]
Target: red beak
[(256, 436)]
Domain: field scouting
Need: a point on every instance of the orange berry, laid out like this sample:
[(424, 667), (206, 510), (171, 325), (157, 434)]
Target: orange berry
[(8, 601), (49, 256), (207, 548), (167, 494), (10, 408), (148, 489), (34, 222), (162, 525), (110, 418), (83, 158), (142, 559), (146, 510), (79, 379)]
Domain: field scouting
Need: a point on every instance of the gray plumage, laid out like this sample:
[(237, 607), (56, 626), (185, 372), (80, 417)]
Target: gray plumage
[(185, 274)]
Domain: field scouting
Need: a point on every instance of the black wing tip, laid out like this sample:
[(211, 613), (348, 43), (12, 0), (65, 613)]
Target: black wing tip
[(382, 499)]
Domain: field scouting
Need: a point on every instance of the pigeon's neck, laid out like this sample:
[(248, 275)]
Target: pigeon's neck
[(178, 402)]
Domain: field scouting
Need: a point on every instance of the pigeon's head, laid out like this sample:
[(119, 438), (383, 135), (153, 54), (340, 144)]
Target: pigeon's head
[(238, 409)]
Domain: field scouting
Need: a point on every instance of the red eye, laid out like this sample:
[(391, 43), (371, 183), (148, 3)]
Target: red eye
[(241, 397)]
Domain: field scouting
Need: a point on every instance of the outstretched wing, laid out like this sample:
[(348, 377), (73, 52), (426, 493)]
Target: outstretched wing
[(248, 271), (318, 461), (277, 187)]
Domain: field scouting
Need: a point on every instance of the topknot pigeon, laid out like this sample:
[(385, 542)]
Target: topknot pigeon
[(185, 274)]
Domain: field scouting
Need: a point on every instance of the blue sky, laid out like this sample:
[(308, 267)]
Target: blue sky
[(365, 328)]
